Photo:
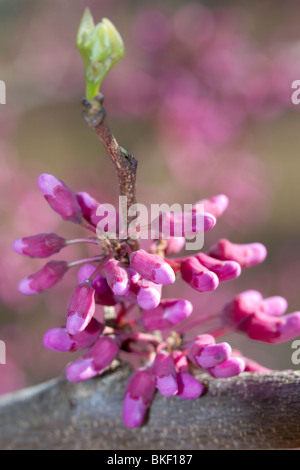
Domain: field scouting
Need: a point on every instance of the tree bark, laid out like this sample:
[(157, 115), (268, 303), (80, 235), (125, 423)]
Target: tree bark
[(252, 411)]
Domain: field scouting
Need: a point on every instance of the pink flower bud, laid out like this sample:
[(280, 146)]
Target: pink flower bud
[(88, 207), (189, 387), (60, 198), (134, 287), (243, 305), (233, 366), (152, 267), (81, 308), (274, 306), (85, 272), (94, 361), (198, 276), (44, 279), (103, 294), (183, 224), (170, 312), (117, 277), (210, 356), (58, 339), (149, 294), (197, 344), (139, 395), (225, 270), (271, 329), (165, 373), (246, 255), (215, 205), (39, 246)]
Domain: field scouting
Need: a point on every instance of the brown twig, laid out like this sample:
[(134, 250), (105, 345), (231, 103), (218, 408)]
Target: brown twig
[(124, 163)]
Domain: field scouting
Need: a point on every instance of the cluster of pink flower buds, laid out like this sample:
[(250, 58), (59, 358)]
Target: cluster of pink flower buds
[(121, 278)]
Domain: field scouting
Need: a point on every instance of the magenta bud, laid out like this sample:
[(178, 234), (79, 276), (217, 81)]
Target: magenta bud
[(233, 366), (189, 387), (185, 224), (243, 305), (210, 356), (134, 287), (117, 277), (88, 207), (198, 276), (152, 267), (165, 374), (103, 294), (246, 255), (225, 270), (274, 306), (44, 279), (60, 198), (81, 308), (139, 395), (58, 339), (85, 272), (170, 312), (94, 361), (197, 344), (39, 246), (149, 294), (215, 205), (268, 329)]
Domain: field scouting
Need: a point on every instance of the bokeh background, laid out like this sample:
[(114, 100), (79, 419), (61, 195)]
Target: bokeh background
[(202, 99)]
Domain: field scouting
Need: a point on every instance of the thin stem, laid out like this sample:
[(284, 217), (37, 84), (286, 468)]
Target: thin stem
[(82, 240), (124, 163), (198, 321), (89, 226), (85, 260)]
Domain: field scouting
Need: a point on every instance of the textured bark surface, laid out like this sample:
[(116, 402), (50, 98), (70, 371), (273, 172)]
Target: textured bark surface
[(252, 411)]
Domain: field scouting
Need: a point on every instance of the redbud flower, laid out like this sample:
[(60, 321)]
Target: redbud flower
[(274, 306), (88, 207), (198, 276), (177, 224), (60, 198), (233, 366), (270, 329), (197, 344), (152, 267), (225, 270), (103, 294), (189, 387), (165, 374), (81, 308), (117, 277), (39, 246), (245, 254), (215, 205), (149, 294), (139, 394), (58, 339), (94, 361), (44, 279), (170, 312)]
